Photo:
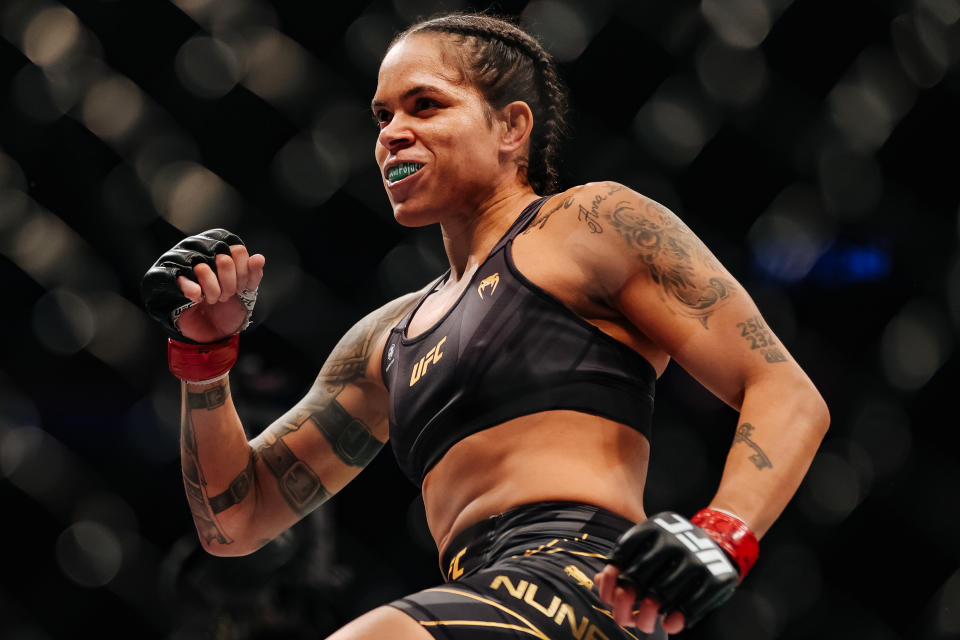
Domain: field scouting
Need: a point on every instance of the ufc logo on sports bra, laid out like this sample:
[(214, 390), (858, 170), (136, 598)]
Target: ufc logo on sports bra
[(433, 357)]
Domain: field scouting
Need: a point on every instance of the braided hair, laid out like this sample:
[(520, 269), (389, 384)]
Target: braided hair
[(506, 64)]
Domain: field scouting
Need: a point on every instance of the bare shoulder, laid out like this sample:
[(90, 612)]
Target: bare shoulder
[(357, 355), (580, 204), (626, 241)]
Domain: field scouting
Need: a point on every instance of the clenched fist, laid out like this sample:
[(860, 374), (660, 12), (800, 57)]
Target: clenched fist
[(203, 289)]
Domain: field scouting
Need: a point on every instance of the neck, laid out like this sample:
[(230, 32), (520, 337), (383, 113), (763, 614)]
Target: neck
[(468, 238)]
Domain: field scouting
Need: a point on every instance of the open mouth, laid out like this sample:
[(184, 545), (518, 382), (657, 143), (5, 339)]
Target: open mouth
[(404, 169)]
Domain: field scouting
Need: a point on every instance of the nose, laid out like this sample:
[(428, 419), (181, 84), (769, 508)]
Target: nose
[(396, 134)]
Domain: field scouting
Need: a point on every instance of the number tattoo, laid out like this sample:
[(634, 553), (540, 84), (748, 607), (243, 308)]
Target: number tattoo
[(760, 337)]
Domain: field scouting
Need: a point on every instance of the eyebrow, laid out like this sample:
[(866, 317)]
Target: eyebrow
[(423, 88)]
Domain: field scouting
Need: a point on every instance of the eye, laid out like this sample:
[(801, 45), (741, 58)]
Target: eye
[(424, 104), (381, 117)]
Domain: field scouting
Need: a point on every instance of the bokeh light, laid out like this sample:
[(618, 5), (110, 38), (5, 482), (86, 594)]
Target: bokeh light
[(739, 23), (731, 75), (112, 108), (562, 27), (89, 553), (915, 343), (192, 198), (51, 35), (207, 67)]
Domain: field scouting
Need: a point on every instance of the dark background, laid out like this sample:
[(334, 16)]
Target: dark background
[(812, 145)]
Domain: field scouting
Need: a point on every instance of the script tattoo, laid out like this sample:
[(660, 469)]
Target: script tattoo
[(758, 457), (590, 216), (541, 219), (755, 331), (194, 482), (677, 261)]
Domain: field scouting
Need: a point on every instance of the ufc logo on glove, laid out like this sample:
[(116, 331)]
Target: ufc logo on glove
[(702, 545)]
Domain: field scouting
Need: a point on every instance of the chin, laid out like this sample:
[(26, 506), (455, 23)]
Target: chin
[(408, 214)]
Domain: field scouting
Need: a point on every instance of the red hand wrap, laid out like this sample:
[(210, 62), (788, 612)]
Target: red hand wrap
[(732, 534), (201, 362)]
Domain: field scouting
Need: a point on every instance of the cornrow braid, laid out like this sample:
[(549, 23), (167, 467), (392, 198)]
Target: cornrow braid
[(506, 64)]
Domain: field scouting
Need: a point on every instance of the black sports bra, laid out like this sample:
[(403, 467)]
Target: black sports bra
[(507, 348)]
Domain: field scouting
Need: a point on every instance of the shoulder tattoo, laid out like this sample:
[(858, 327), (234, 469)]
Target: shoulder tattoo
[(692, 280)]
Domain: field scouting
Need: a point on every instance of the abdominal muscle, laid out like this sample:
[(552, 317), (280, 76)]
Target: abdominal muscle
[(551, 455)]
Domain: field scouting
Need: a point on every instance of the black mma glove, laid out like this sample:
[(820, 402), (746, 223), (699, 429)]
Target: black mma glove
[(668, 558), (161, 294)]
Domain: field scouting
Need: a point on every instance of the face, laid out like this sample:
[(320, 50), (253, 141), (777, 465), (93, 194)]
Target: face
[(438, 150)]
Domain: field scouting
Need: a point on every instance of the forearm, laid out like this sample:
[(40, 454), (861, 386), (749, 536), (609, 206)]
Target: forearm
[(218, 467), (781, 425)]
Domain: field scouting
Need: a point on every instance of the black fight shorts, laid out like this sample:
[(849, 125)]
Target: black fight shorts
[(526, 573)]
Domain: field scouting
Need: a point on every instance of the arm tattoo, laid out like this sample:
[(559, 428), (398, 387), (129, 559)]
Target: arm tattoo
[(758, 458), (238, 489), (541, 220), (671, 253), (300, 486), (351, 440), (194, 483), (755, 331), (349, 358), (209, 399), (590, 215)]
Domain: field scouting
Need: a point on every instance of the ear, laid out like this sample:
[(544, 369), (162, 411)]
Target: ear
[(516, 124)]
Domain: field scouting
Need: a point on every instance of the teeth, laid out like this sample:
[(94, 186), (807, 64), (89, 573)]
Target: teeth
[(401, 171)]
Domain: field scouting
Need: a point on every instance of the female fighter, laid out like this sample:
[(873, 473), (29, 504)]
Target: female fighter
[(517, 389)]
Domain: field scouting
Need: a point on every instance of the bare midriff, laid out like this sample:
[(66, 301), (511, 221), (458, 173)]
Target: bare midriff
[(552, 455)]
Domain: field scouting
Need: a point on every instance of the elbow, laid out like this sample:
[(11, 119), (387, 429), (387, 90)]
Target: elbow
[(816, 411), (231, 536), (230, 548), (823, 414)]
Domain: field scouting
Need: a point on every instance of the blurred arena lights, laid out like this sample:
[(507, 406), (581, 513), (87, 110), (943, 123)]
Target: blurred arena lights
[(731, 75), (564, 28), (743, 24), (916, 343), (792, 235), (89, 554)]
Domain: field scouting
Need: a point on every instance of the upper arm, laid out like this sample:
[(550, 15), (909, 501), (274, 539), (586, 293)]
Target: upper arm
[(323, 442), (668, 284)]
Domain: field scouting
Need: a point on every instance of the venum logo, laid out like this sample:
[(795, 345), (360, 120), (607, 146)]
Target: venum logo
[(391, 354), (490, 282), (433, 357)]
